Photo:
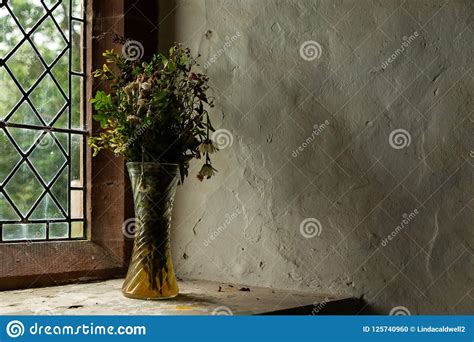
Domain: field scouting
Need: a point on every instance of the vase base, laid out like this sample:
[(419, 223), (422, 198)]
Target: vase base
[(139, 288), (157, 298)]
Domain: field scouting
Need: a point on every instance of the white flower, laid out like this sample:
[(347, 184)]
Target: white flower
[(133, 119), (207, 147), (145, 86), (207, 171)]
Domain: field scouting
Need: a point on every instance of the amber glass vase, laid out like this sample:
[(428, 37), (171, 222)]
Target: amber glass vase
[(150, 274)]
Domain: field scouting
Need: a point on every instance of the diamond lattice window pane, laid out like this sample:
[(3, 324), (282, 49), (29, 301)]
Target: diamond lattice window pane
[(60, 189), (61, 14), (51, 3), (46, 209), (61, 137), (61, 74), (63, 122), (27, 12), (47, 158), (25, 65), (9, 94), (48, 40), (10, 34), (47, 99), (24, 189), (9, 156), (6, 210), (24, 137)]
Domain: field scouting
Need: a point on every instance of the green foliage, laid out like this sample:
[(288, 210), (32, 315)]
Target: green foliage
[(155, 111)]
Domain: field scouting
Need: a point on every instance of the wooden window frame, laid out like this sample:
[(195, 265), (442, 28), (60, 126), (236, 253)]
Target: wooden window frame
[(106, 252)]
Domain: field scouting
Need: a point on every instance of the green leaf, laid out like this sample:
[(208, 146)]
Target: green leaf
[(102, 101)]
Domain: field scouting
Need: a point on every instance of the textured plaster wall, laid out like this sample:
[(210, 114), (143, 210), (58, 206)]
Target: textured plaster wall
[(384, 65)]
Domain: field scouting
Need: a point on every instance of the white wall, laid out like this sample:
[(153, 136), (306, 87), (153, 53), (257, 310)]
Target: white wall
[(349, 177)]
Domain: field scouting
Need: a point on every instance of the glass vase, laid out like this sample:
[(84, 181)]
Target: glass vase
[(150, 274)]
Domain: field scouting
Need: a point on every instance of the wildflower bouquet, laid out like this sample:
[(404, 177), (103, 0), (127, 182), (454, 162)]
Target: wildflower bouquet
[(155, 111)]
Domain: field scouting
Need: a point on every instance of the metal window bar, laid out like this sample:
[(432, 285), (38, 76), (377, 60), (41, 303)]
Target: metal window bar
[(48, 129)]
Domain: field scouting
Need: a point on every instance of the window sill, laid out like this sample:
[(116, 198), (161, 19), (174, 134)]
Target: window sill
[(197, 297)]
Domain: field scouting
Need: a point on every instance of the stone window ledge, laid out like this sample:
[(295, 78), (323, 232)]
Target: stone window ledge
[(197, 297)]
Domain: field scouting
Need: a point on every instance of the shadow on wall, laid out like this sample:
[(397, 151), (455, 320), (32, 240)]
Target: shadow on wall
[(168, 12), (142, 16)]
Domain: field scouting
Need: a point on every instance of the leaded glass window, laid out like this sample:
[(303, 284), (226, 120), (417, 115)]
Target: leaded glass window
[(42, 120)]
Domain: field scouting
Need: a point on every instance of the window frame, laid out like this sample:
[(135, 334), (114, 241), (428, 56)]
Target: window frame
[(109, 203)]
